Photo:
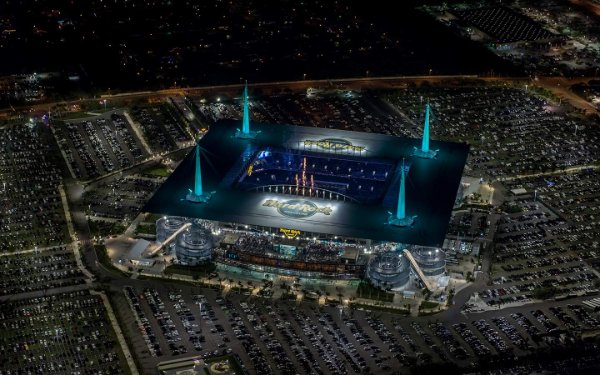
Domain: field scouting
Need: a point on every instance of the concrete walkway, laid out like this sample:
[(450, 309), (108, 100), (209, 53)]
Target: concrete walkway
[(118, 332), (44, 292), (34, 250), (75, 244), (136, 128), (62, 152), (130, 231)]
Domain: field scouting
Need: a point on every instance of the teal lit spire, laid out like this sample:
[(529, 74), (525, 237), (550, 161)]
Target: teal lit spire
[(424, 152), (399, 219), (246, 118), (425, 142), (246, 133), (198, 195), (401, 209), (198, 176)]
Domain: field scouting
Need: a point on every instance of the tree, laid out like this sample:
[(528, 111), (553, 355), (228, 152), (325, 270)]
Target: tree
[(544, 293), (469, 276)]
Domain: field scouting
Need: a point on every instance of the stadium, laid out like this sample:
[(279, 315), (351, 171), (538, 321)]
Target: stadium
[(309, 202)]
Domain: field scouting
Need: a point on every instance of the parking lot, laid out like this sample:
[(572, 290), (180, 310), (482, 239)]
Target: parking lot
[(66, 333), (277, 336), (340, 109), (161, 126), (570, 49), (547, 247), (119, 198), (511, 131), (30, 174), (99, 145), (38, 270)]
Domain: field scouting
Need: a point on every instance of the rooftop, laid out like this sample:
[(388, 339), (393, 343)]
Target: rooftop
[(430, 192)]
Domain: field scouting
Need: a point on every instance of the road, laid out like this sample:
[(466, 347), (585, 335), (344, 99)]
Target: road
[(558, 85), (589, 5), (561, 171)]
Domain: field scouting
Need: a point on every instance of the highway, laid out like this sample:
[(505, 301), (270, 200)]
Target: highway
[(557, 85), (560, 171)]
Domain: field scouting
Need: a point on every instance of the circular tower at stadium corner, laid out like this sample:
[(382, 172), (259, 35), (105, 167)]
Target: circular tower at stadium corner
[(166, 226), (432, 261), (194, 245), (389, 270)]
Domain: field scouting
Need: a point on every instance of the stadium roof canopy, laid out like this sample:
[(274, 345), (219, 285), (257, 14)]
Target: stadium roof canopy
[(431, 186)]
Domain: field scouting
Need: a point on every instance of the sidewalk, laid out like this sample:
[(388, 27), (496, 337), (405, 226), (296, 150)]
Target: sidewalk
[(118, 332), (35, 250), (62, 152), (75, 244), (138, 132)]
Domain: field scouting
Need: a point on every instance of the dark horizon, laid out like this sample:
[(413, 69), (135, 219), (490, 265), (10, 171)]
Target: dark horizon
[(145, 55)]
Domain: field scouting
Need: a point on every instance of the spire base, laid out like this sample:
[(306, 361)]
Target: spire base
[(203, 198), (407, 221), (430, 154), (250, 135)]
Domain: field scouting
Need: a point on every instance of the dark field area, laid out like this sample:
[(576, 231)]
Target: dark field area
[(164, 44)]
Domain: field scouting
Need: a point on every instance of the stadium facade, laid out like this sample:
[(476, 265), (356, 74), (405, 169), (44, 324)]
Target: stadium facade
[(310, 201)]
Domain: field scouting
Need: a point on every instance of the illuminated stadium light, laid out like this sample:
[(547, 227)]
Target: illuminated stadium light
[(197, 195), (424, 151), (400, 219), (246, 133), (246, 118)]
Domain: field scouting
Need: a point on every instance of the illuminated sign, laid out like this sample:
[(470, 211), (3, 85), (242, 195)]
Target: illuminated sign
[(289, 233), (297, 208), (334, 144)]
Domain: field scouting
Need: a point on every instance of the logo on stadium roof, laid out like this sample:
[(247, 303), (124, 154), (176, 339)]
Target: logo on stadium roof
[(334, 144), (289, 233), (297, 208)]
